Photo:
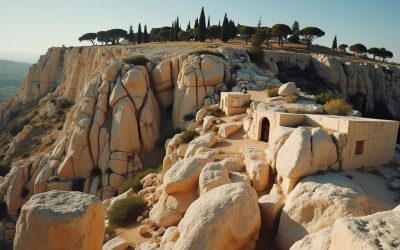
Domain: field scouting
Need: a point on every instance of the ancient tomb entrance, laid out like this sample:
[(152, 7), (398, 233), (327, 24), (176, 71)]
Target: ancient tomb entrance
[(265, 129)]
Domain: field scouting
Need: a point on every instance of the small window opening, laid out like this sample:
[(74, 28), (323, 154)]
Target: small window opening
[(359, 147)]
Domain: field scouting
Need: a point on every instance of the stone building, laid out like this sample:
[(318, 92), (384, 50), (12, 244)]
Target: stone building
[(233, 103), (361, 142)]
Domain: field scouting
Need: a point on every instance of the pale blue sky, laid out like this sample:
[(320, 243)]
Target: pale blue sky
[(31, 26)]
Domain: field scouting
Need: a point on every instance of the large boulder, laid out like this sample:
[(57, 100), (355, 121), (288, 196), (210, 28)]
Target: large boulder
[(257, 168), (287, 89), (320, 240), (213, 175), (149, 122), (294, 158), (207, 140), (324, 152), (270, 207), (136, 83), (161, 76), (315, 203), (227, 129), (112, 70), (184, 175), (226, 217), (376, 231), (124, 129), (60, 220)]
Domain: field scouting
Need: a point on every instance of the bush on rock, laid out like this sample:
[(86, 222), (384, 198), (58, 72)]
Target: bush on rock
[(136, 60), (188, 135), (337, 107), (126, 211)]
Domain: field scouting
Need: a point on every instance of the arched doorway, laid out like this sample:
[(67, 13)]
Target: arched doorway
[(265, 129)]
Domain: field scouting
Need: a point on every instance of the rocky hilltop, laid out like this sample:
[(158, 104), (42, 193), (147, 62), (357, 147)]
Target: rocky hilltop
[(117, 103)]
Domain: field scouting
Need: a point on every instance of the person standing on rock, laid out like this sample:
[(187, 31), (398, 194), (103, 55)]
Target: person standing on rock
[(243, 88)]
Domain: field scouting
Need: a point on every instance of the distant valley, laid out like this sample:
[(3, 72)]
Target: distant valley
[(11, 75)]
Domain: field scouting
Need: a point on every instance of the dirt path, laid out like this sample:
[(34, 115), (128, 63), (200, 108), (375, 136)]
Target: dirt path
[(131, 234)]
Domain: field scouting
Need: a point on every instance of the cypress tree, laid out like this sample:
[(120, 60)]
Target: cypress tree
[(202, 26), (131, 36), (196, 23), (334, 43), (225, 30), (208, 22), (139, 35), (232, 29), (146, 38), (176, 29), (188, 27)]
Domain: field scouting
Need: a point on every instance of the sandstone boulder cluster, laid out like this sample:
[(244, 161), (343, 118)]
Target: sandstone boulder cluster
[(115, 117), (376, 83), (286, 190), (206, 197)]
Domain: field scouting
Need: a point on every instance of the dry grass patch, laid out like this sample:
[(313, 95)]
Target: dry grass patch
[(272, 92), (291, 98), (337, 107)]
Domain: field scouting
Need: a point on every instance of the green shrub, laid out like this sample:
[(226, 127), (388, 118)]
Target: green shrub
[(188, 135), (272, 92), (3, 209), (215, 111), (78, 184), (4, 169), (325, 97), (337, 107), (291, 98), (189, 117), (136, 60), (126, 210), (207, 52), (135, 182)]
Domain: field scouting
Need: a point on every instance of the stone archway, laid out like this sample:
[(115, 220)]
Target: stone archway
[(265, 126)]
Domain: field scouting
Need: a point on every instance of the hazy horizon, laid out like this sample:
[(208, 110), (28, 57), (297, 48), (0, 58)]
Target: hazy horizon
[(33, 26)]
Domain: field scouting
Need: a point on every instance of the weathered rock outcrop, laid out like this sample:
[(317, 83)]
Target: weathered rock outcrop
[(61, 220), (200, 76), (380, 84), (201, 227), (376, 231), (316, 203)]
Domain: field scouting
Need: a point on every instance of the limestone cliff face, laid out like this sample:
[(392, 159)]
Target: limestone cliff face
[(378, 83), (116, 116)]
